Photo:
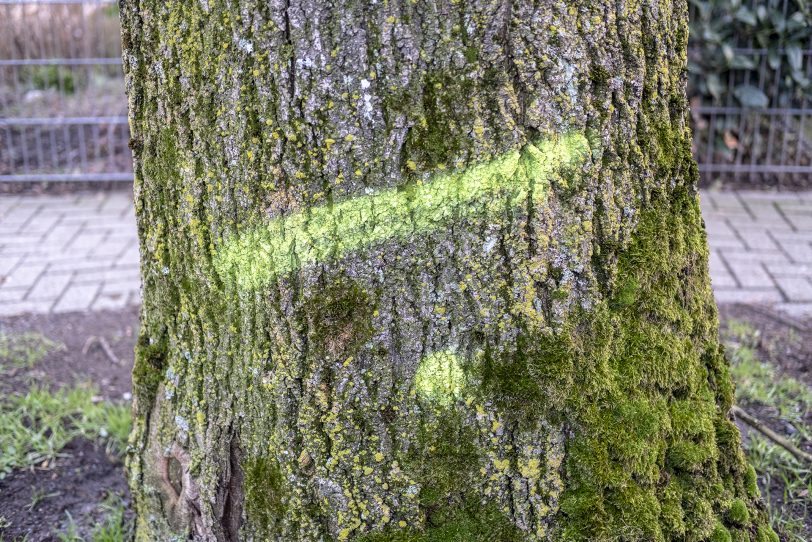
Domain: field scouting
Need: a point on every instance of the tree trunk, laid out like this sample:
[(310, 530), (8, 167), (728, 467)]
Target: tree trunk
[(424, 270)]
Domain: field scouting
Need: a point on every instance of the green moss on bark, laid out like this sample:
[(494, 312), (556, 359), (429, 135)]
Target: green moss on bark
[(148, 369), (640, 380), (265, 494), (338, 318), (470, 522)]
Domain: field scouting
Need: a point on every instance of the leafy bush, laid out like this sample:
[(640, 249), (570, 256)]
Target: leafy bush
[(725, 38), (60, 78)]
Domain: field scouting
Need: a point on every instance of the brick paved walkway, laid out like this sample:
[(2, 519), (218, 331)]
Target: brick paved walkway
[(761, 248), (67, 253), (79, 252)]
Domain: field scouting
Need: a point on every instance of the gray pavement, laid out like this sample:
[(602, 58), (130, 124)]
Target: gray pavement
[(761, 248), (79, 252), (67, 253)]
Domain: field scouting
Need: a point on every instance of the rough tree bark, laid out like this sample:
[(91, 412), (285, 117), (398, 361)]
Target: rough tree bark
[(424, 270)]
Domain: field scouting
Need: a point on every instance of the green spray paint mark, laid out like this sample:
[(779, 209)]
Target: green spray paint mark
[(327, 232), (440, 377)]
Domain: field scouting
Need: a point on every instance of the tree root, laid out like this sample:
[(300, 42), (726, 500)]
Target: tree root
[(762, 428)]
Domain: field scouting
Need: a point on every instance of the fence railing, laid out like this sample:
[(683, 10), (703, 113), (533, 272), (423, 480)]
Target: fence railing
[(756, 145), (63, 110), (63, 113)]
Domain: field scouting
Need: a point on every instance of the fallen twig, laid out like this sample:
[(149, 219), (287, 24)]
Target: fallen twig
[(762, 428), (105, 346)]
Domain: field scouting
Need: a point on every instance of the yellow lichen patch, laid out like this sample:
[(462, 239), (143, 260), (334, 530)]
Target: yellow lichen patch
[(440, 377)]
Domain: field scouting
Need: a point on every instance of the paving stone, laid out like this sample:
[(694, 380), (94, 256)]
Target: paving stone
[(728, 202), (723, 280), (753, 256), (801, 237), (6, 230), (795, 288), (78, 297), (7, 203), (42, 223), (73, 265), (719, 228), (22, 239), (789, 269), (22, 307), (799, 252), (767, 214), (715, 262), (40, 254), (763, 195), (85, 242), (750, 274), (20, 214), (129, 257), (741, 224), (61, 233), (108, 249), (117, 203), (12, 295), (49, 286), (801, 222), (24, 275), (797, 206), (108, 275), (111, 301), (7, 263), (726, 242), (758, 240), (748, 295)]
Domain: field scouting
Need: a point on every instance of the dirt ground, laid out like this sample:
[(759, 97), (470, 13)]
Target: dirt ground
[(36, 502), (82, 356)]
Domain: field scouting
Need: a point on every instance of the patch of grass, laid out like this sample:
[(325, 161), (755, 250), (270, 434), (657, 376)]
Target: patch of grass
[(22, 351), (38, 497), (34, 427), (785, 481), (759, 382), (71, 534), (114, 527), (790, 512)]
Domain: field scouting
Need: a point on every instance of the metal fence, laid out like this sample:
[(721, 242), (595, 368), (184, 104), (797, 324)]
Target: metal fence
[(63, 113), (63, 110), (770, 141)]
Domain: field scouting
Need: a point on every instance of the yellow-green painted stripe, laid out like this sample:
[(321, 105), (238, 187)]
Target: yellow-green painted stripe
[(326, 232)]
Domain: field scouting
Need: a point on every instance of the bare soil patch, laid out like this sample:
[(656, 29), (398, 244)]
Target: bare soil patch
[(37, 503), (80, 356)]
